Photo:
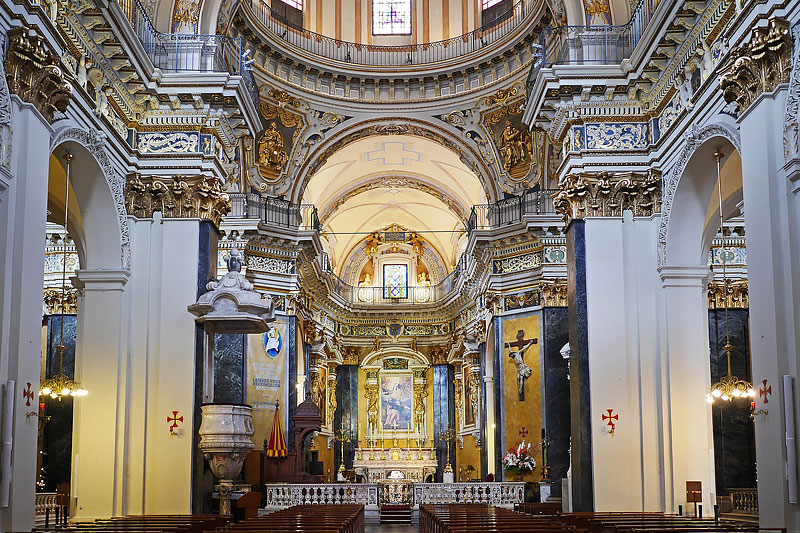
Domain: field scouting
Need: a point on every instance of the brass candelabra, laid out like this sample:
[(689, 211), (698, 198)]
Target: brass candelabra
[(447, 436), (342, 437)]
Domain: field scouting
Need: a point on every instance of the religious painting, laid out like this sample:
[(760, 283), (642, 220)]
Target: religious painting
[(266, 378), (598, 12), (275, 143), (522, 381), (186, 16), (396, 401), (469, 411)]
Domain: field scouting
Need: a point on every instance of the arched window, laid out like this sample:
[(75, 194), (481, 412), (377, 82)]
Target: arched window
[(395, 281), (495, 11), (289, 12), (391, 17)]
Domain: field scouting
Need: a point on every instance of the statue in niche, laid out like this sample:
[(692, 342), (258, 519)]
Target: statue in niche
[(422, 280), (518, 355), (367, 281), (271, 153), (373, 241), (514, 146)]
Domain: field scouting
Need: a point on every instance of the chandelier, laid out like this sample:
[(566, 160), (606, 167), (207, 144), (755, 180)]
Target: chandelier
[(729, 387), (60, 385)]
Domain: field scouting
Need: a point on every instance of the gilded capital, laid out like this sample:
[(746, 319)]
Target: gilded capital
[(608, 194), (33, 73), (554, 292), (758, 66), (176, 197), (732, 296)]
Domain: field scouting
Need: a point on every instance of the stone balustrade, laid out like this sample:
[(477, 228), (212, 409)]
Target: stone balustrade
[(281, 495), (44, 501), (744, 500)]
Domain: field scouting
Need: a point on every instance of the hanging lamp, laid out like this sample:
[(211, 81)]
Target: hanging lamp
[(59, 386), (730, 386)]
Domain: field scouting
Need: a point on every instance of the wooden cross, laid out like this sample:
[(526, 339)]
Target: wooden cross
[(521, 344)]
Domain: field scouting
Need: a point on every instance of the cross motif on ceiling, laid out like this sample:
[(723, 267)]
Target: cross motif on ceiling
[(393, 153)]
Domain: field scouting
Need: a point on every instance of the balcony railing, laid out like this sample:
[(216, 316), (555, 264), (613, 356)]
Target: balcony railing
[(274, 211), (593, 44), (413, 294), (382, 55), (511, 210)]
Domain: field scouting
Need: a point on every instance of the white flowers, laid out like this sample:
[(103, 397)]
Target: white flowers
[(520, 460)]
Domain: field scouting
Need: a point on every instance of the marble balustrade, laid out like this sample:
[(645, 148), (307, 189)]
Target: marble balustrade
[(502, 494)]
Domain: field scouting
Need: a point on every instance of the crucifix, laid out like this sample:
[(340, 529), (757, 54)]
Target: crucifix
[(523, 370)]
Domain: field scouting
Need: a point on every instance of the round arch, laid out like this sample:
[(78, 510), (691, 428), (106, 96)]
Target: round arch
[(414, 357), (685, 231), (400, 127), (101, 234)]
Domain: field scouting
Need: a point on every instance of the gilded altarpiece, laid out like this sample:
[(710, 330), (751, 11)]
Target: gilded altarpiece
[(395, 430), (521, 358)]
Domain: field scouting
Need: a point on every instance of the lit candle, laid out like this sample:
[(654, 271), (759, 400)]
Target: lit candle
[(358, 437)]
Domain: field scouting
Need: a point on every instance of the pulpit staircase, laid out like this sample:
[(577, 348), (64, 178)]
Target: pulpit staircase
[(396, 514)]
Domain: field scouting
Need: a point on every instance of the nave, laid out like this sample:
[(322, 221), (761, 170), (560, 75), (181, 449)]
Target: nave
[(443, 518)]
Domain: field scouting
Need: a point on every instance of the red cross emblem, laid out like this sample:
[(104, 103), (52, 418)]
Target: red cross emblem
[(611, 417), (523, 432), (28, 395), (173, 421), (765, 391)]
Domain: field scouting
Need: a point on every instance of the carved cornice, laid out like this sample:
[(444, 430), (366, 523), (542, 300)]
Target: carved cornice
[(758, 66), (607, 194), (33, 73), (176, 197), (554, 292), (734, 297)]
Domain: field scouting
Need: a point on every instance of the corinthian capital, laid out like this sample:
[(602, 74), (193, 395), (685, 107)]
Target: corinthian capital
[(33, 73), (758, 66), (177, 197), (608, 194)]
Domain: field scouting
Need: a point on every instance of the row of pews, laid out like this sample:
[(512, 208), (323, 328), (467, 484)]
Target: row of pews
[(539, 518), (316, 518)]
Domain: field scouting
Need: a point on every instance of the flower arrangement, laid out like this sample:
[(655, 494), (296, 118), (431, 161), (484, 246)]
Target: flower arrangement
[(520, 460)]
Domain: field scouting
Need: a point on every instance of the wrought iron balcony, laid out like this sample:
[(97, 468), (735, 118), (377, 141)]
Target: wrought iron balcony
[(274, 211), (511, 210), (592, 44)]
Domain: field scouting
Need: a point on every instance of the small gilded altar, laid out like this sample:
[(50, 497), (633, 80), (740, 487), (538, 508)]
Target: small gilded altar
[(408, 464)]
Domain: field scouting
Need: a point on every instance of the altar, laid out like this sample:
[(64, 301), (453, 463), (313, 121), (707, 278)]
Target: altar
[(409, 464)]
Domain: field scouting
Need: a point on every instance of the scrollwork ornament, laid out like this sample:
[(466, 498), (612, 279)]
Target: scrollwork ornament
[(759, 65), (606, 194), (791, 123), (177, 197)]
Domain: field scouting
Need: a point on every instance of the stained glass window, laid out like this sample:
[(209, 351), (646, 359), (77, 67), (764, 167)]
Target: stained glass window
[(391, 17), (289, 12), (395, 281), (490, 3), (297, 4)]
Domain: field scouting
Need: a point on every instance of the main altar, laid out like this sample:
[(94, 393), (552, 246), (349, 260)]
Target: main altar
[(395, 463)]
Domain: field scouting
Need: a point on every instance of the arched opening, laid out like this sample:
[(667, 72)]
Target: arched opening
[(83, 235), (695, 238)]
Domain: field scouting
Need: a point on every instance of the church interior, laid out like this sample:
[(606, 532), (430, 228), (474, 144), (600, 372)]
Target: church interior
[(361, 265)]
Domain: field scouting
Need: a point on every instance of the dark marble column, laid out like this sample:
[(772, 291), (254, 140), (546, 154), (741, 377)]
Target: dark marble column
[(580, 405), (202, 480), (499, 397), (444, 415), (57, 433), (291, 361), (556, 393), (346, 415), (229, 367), (734, 437)]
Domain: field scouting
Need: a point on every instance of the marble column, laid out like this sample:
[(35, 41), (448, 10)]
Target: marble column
[(346, 415), (580, 407), (443, 415), (557, 394), (770, 181)]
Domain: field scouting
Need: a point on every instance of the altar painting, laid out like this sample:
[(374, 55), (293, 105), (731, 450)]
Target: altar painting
[(469, 413), (396, 401)]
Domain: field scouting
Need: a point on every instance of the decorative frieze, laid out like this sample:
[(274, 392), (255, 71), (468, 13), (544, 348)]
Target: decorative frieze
[(270, 264), (758, 66), (734, 296), (532, 298), (608, 194), (176, 197), (33, 73), (517, 263)]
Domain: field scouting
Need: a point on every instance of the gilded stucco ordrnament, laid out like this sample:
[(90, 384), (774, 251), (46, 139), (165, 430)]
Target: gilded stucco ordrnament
[(731, 295), (33, 73), (554, 292), (272, 156), (177, 197), (759, 65), (608, 194), (58, 302)]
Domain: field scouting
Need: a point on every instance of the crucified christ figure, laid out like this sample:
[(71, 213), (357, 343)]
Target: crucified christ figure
[(523, 370)]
